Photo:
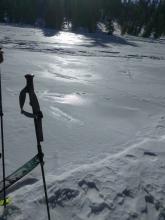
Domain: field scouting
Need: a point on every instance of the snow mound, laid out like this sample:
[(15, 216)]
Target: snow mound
[(128, 185)]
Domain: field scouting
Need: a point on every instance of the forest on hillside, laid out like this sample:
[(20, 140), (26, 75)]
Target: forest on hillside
[(136, 17)]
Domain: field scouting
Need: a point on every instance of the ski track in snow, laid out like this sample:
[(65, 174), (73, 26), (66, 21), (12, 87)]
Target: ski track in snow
[(103, 100), (61, 115), (36, 47)]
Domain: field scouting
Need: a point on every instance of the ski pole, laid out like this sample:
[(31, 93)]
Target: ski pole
[(2, 134), (37, 116)]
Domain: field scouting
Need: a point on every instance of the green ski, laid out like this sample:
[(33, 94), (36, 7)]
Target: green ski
[(8, 201), (20, 173)]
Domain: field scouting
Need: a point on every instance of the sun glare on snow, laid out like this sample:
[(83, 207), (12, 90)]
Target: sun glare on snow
[(68, 38)]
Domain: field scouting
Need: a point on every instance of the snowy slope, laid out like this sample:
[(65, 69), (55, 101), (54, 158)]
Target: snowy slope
[(104, 124)]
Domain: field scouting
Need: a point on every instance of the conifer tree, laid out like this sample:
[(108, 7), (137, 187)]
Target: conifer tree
[(54, 13), (135, 17)]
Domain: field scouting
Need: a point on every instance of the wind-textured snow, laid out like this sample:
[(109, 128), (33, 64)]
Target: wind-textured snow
[(103, 100)]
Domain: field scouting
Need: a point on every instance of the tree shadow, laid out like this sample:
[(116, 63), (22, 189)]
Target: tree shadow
[(95, 39), (146, 40), (48, 32), (104, 40)]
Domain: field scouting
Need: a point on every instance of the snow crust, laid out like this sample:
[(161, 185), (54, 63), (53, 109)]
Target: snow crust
[(103, 100)]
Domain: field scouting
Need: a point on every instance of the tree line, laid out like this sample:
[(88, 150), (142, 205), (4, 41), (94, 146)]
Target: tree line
[(135, 17)]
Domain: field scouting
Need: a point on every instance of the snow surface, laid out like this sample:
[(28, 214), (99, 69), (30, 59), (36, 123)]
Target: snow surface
[(103, 100)]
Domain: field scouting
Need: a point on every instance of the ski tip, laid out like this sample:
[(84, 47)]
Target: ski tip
[(8, 201)]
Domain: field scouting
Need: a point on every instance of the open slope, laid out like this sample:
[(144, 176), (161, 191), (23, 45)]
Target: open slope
[(103, 100)]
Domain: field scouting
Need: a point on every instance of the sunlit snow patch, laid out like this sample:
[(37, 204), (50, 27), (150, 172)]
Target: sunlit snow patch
[(70, 99), (67, 38)]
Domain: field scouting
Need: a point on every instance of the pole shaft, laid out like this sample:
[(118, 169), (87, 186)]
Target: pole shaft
[(45, 189), (42, 170), (2, 142)]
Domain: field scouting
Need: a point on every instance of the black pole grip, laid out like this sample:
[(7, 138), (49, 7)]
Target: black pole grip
[(1, 55), (29, 82)]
